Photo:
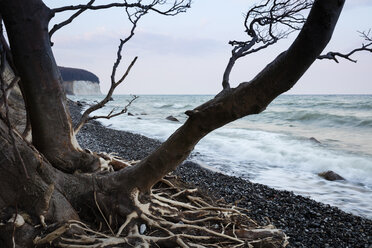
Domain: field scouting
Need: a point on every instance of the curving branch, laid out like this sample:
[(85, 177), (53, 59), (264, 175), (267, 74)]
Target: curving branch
[(133, 18), (134, 12), (112, 112), (364, 47), (69, 20), (5, 52), (178, 6), (9, 58), (6, 117), (248, 98), (265, 24), (85, 117)]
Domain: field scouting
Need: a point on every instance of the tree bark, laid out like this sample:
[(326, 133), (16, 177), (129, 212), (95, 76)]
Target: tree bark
[(27, 28), (248, 98), (59, 196)]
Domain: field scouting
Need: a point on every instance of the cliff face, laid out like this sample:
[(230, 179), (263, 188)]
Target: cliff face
[(79, 81)]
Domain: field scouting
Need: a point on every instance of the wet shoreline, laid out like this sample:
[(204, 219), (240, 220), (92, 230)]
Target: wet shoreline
[(308, 223)]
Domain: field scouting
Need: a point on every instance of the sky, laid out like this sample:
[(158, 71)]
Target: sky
[(187, 53)]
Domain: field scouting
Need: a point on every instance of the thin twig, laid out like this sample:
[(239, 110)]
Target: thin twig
[(112, 114), (14, 227), (99, 209), (174, 9), (265, 24), (364, 47), (133, 18), (8, 88), (69, 20), (5, 100)]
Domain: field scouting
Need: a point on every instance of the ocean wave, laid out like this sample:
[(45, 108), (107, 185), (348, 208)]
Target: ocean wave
[(172, 105), (327, 119), (365, 123), (163, 105), (274, 146)]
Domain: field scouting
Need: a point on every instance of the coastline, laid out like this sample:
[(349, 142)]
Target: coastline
[(308, 223)]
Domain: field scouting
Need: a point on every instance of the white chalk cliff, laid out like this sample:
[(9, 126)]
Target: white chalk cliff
[(79, 82), (81, 87)]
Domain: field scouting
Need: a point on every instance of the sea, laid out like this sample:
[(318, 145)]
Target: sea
[(284, 147)]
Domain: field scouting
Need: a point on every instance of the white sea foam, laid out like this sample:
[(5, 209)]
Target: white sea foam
[(274, 148)]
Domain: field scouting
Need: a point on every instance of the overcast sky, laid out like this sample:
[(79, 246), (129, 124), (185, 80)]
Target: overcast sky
[(187, 54)]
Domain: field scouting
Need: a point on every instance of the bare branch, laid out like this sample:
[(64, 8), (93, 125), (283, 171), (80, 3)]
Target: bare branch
[(69, 20), (364, 47), (177, 7), (8, 88), (366, 35), (5, 52), (134, 12), (5, 100), (112, 114), (26, 133), (133, 18), (85, 117), (265, 24)]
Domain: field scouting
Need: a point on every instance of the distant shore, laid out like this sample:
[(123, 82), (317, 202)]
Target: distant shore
[(308, 223)]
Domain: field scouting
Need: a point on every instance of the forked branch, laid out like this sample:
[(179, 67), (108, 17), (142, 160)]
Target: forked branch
[(113, 113), (6, 118), (5, 56), (364, 47), (133, 18), (178, 6), (135, 10), (69, 20), (85, 117), (265, 24)]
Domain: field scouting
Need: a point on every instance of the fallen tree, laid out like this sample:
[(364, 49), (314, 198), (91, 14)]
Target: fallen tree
[(51, 187)]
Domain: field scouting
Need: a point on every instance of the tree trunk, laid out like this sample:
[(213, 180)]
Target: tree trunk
[(27, 28), (248, 98), (57, 196)]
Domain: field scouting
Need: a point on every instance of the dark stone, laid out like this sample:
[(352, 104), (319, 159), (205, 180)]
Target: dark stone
[(315, 140), (130, 114), (285, 210), (172, 118), (331, 176)]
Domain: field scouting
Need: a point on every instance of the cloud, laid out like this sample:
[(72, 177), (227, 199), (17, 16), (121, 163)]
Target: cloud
[(143, 42), (175, 45)]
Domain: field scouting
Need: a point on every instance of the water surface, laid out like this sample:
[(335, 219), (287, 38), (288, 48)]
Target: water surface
[(274, 147)]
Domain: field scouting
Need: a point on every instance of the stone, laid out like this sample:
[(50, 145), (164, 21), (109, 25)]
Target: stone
[(17, 220), (143, 229), (315, 140), (130, 114), (331, 176), (172, 118)]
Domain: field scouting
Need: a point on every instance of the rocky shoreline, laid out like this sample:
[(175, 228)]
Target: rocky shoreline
[(308, 223)]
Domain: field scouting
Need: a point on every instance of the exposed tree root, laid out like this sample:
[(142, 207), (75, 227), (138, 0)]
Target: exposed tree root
[(171, 216), (110, 162)]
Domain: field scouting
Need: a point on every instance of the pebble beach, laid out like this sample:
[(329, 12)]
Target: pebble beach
[(308, 223)]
